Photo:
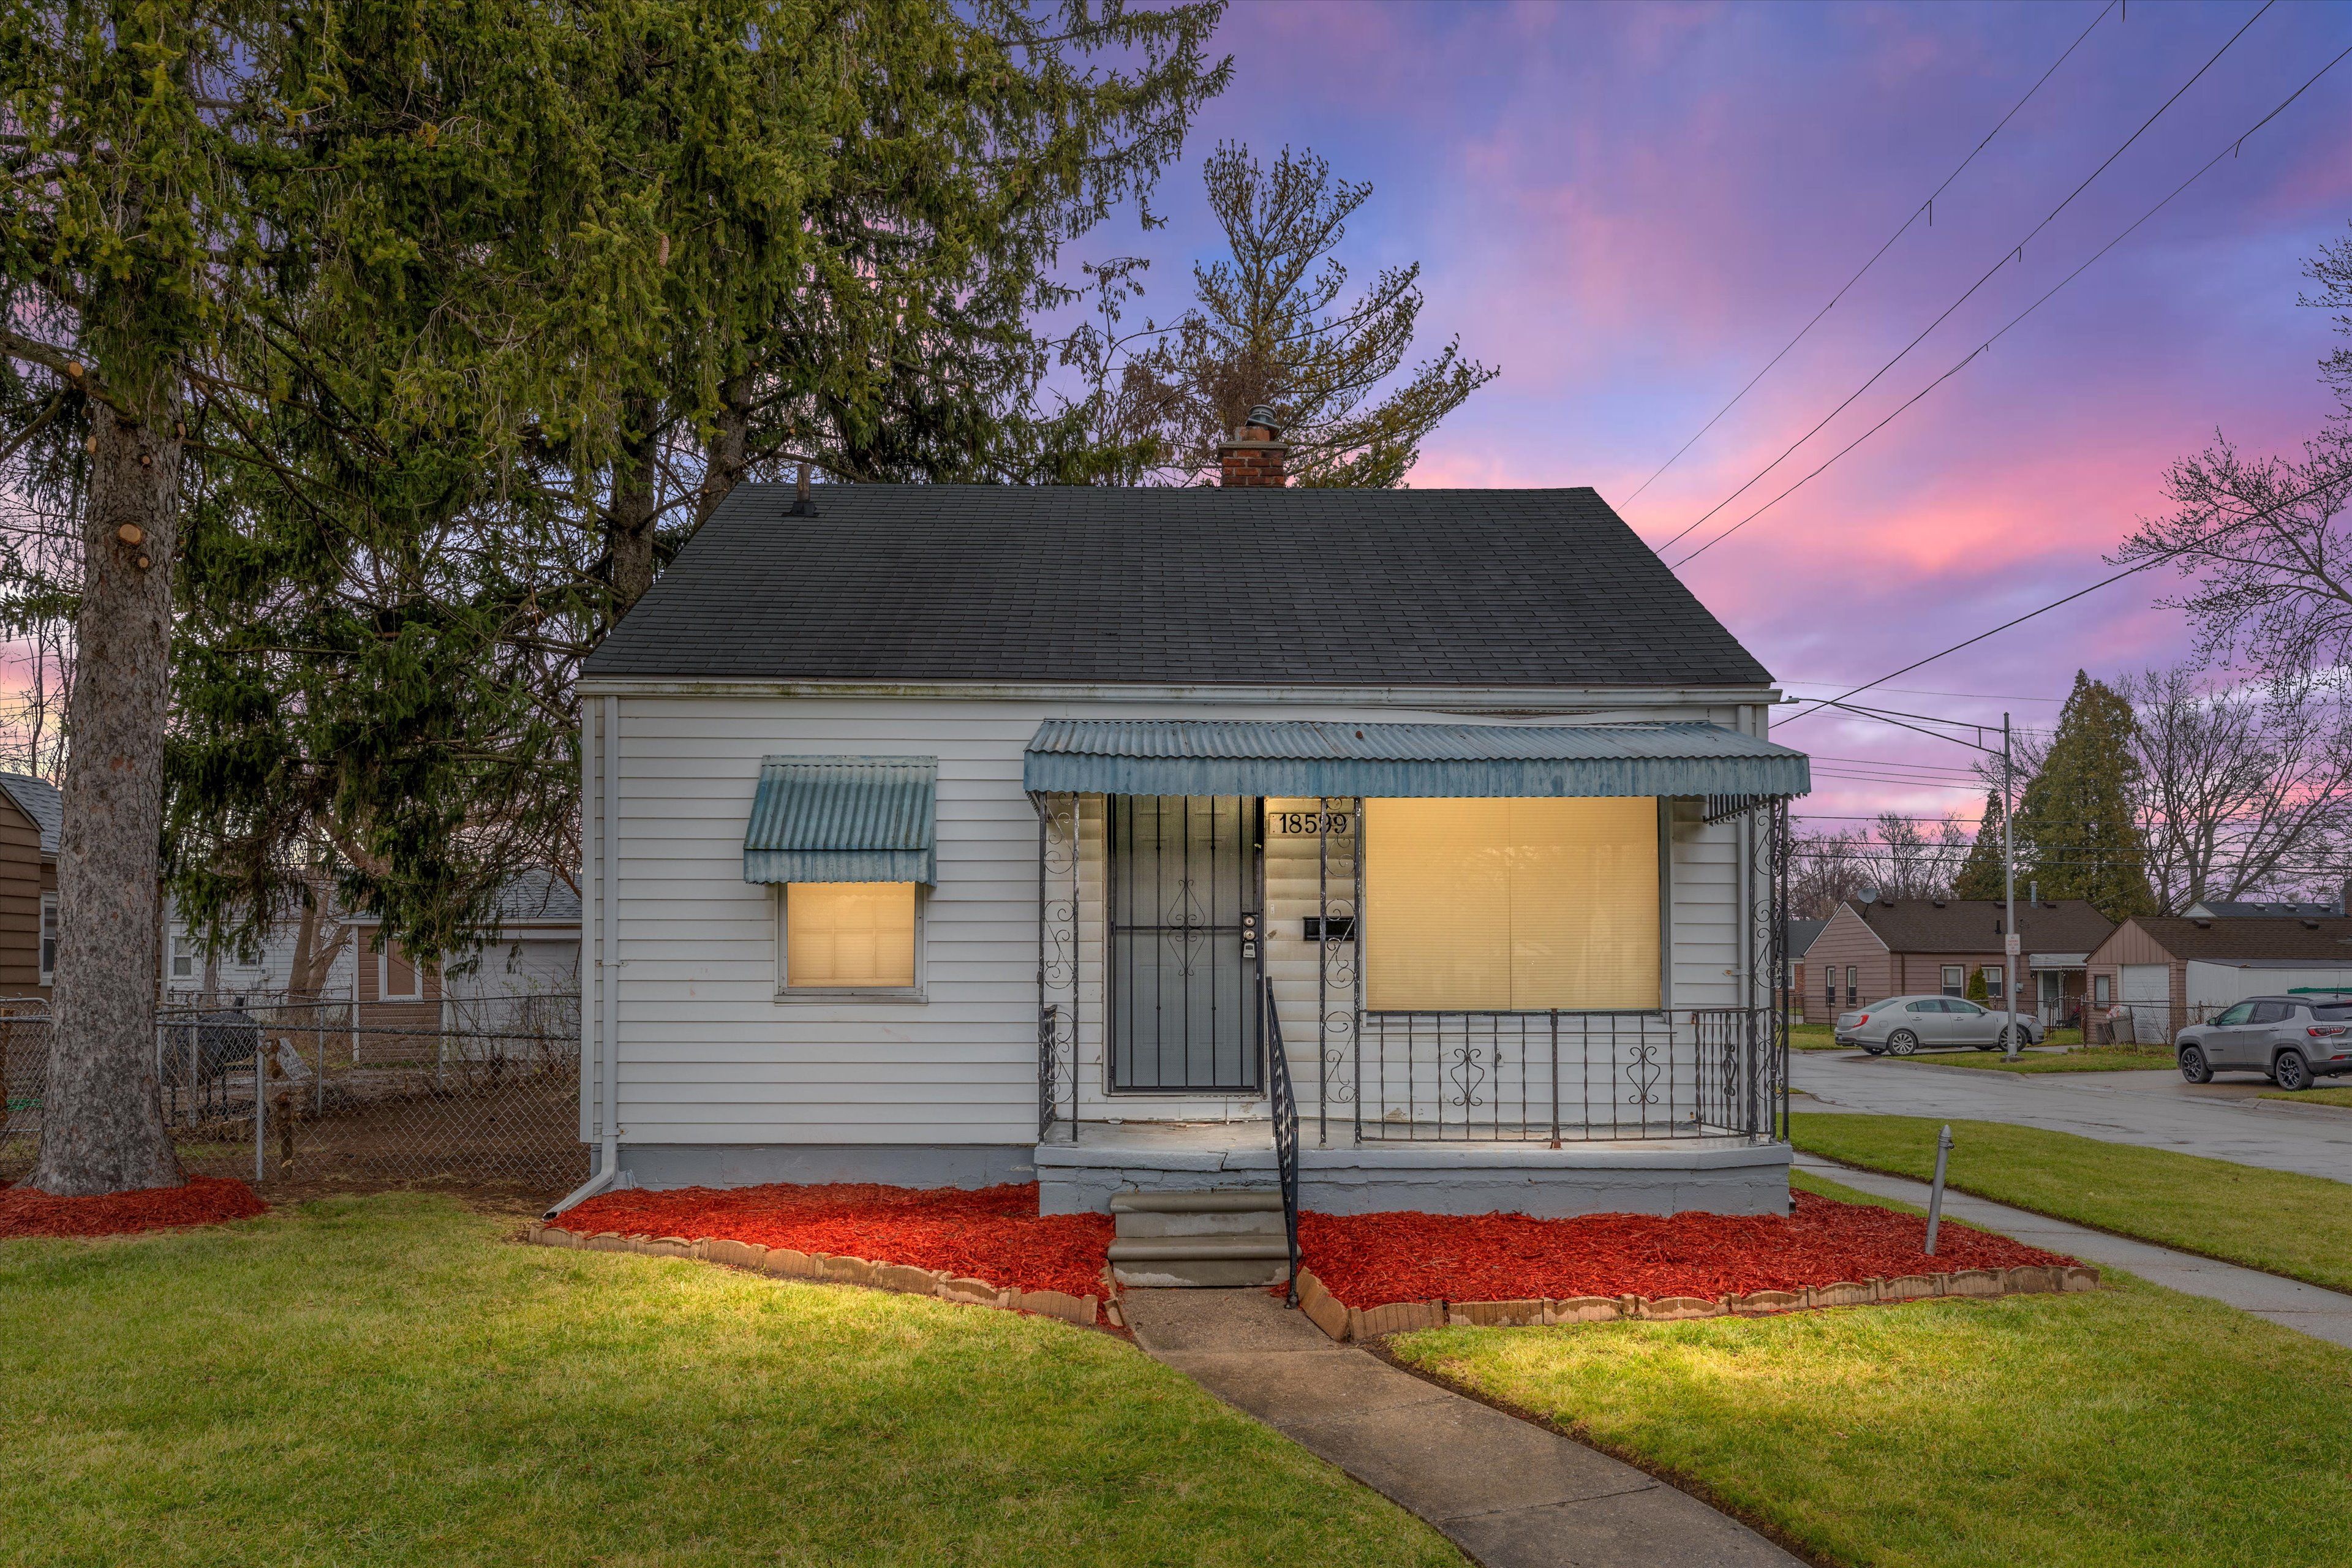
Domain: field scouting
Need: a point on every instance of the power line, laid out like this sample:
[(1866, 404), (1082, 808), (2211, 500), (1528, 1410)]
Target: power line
[(2135, 569), (2016, 251), (2235, 144), (1918, 691), (1926, 208)]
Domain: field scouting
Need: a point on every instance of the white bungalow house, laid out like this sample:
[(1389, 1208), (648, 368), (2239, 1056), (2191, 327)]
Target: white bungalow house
[(946, 835)]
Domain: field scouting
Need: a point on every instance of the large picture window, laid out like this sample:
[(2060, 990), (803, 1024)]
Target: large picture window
[(1511, 905), (849, 936)]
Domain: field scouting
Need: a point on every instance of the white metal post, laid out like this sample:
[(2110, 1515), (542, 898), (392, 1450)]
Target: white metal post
[(2013, 951)]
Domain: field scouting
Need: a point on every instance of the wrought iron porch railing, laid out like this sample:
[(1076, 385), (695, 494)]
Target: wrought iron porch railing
[(1566, 1077), (1284, 1104)]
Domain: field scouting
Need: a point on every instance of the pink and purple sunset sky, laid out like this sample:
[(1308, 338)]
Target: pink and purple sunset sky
[(1631, 209)]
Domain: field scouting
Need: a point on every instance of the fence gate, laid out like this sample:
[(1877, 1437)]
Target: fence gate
[(1184, 942)]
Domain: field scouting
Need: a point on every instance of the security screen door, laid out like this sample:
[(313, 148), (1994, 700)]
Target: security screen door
[(1184, 942)]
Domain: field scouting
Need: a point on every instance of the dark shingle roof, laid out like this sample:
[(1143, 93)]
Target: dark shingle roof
[(965, 583), (2228, 909), (1800, 937), (39, 800), (539, 897), (1973, 925), (2320, 939)]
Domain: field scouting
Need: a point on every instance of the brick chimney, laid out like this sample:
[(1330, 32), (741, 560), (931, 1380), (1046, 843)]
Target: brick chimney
[(1253, 455)]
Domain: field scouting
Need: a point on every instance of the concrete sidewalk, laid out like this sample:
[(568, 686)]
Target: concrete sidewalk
[(1508, 1492), (2307, 1309)]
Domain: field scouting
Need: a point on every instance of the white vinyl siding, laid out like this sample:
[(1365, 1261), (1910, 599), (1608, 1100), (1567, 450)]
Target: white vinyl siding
[(710, 1054)]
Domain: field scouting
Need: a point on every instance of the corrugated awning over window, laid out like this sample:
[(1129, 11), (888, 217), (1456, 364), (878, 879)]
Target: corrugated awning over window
[(843, 819), (1299, 757)]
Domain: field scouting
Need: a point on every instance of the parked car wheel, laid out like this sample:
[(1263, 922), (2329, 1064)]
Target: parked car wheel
[(2003, 1043), (2193, 1065), (2291, 1071), (1902, 1042)]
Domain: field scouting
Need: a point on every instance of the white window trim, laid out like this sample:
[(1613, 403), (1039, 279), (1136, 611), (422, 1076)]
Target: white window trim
[(179, 944), (384, 976), (786, 991), (42, 939)]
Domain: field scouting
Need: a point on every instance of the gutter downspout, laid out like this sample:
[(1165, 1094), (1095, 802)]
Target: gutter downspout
[(608, 970)]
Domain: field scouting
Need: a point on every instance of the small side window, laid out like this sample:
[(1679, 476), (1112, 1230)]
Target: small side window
[(49, 937), (2240, 1014)]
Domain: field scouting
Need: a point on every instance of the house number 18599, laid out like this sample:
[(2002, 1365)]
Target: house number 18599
[(1311, 822)]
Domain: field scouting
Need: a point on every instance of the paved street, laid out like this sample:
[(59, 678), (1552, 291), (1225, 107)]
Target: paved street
[(2222, 1120)]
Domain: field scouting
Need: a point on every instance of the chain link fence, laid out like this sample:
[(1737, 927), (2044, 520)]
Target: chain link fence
[(478, 1093)]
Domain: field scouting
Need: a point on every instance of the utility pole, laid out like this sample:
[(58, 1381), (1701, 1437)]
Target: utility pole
[(2012, 948)]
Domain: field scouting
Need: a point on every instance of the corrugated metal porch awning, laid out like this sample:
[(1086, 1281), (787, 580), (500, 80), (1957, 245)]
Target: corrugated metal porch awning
[(842, 819), (1300, 757)]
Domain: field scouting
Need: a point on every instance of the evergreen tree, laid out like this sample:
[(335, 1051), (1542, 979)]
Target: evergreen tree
[(813, 232), (1981, 874), (2075, 821), (1270, 327), (257, 323)]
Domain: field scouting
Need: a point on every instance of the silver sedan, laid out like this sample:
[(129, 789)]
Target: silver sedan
[(1902, 1025)]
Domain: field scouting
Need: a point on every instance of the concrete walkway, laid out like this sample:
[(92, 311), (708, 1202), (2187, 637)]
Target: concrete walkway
[(2307, 1309), (1508, 1492)]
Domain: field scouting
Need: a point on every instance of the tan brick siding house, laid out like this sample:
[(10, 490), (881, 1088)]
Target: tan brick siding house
[(1893, 947)]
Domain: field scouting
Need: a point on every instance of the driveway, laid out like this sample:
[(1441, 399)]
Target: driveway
[(2221, 1120)]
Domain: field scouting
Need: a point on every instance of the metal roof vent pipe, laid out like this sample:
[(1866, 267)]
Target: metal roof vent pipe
[(1253, 457)]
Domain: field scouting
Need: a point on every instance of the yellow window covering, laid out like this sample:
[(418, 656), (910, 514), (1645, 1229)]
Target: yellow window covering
[(849, 934), (1516, 905)]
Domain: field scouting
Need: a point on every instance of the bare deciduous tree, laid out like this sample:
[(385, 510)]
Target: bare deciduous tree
[(1895, 855), (2265, 543), (2244, 791)]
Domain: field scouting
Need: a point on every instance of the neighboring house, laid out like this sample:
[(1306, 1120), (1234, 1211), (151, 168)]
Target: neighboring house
[(32, 813), (2239, 909), (955, 835), (535, 955), (1874, 947), (2169, 972), (1798, 939)]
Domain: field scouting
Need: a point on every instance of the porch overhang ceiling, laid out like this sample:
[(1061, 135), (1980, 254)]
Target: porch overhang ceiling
[(1304, 757), (843, 819)]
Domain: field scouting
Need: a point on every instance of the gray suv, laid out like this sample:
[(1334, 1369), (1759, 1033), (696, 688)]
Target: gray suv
[(2291, 1041)]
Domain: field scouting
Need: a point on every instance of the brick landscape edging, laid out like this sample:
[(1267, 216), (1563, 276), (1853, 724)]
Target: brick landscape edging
[(825, 1268), (1345, 1322)]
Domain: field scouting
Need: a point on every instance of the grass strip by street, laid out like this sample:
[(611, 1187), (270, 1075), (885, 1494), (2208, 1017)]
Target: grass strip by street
[(2043, 1429), (387, 1380), (2081, 1058), (2333, 1095), (2278, 1221)]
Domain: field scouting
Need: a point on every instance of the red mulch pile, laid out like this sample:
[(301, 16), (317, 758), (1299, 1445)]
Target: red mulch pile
[(205, 1200), (994, 1234), (1371, 1260)]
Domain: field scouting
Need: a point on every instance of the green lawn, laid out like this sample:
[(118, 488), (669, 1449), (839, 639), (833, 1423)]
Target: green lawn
[(2081, 1058), (391, 1381), (2126, 1426), (2337, 1094), (2275, 1220), (1814, 1038)]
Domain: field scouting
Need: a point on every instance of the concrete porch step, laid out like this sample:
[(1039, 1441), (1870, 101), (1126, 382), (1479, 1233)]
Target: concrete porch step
[(1219, 1200), (1208, 1263)]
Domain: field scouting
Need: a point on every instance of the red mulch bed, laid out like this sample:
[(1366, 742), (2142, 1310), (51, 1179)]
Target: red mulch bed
[(205, 1200), (1371, 1260), (994, 1234)]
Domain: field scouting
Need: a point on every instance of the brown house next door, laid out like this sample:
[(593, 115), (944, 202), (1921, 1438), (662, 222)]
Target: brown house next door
[(1184, 942)]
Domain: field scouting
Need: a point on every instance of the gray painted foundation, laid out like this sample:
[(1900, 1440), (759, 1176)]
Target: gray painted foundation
[(1725, 1175), (1717, 1175), (659, 1165)]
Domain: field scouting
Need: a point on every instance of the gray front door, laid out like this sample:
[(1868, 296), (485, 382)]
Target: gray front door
[(1185, 943)]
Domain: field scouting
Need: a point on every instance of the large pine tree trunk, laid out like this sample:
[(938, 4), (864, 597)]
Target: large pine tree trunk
[(630, 525), (102, 1118)]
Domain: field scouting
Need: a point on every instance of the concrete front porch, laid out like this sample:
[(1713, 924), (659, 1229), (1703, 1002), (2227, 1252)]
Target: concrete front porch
[(1077, 1171)]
